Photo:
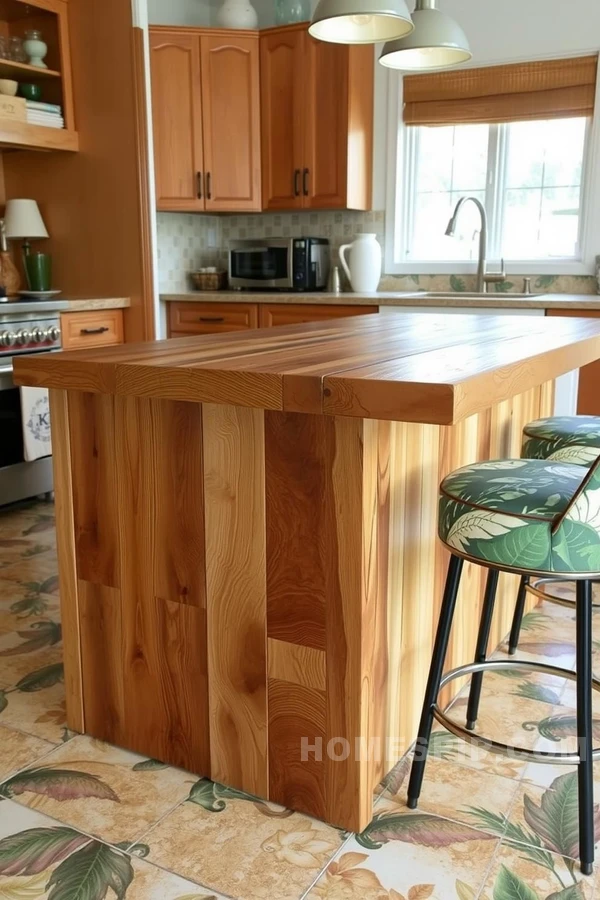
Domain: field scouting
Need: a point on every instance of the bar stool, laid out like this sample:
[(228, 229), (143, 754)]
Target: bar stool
[(570, 439), (534, 518)]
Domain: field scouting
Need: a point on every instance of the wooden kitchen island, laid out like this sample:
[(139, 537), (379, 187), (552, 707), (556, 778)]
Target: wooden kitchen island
[(247, 535)]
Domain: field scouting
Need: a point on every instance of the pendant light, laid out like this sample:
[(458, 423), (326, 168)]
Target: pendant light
[(360, 21), (438, 42)]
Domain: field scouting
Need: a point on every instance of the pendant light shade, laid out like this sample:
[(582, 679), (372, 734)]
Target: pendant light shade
[(360, 21), (438, 42)]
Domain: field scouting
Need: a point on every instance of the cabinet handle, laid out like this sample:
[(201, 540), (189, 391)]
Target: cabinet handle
[(100, 330), (211, 319), (305, 175), (199, 185), (296, 182), (208, 194)]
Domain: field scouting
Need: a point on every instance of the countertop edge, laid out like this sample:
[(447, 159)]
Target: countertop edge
[(392, 298)]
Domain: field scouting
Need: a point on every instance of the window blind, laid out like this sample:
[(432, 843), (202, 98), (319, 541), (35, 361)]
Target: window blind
[(550, 89)]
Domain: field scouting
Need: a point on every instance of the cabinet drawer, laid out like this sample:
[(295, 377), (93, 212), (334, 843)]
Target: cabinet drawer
[(91, 329), (272, 314), (211, 318)]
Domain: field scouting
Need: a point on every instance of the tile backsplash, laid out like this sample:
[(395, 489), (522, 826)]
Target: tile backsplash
[(187, 241)]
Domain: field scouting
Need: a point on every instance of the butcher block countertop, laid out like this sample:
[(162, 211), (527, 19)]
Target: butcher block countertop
[(405, 367), (494, 300)]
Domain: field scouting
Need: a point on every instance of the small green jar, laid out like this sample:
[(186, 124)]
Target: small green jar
[(287, 11)]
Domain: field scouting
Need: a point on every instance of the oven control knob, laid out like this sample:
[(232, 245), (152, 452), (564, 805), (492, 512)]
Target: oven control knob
[(7, 338), (53, 333), (38, 335), (23, 336)]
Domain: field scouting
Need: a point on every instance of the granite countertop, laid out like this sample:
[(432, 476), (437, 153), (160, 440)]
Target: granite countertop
[(396, 298), (60, 304)]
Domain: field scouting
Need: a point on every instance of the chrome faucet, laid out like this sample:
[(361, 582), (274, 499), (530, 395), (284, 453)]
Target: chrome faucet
[(483, 276)]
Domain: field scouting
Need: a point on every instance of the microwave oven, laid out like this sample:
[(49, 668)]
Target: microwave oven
[(280, 264)]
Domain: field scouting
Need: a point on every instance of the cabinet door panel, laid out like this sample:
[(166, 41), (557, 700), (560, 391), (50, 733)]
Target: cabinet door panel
[(177, 119), (326, 156), (231, 120), (273, 314), (282, 75)]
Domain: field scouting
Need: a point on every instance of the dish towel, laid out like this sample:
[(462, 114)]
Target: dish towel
[(35, 415)]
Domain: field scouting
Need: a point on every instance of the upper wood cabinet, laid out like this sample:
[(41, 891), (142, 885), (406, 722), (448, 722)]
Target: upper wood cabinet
[(177, 120), (316, 121), (206, 118)]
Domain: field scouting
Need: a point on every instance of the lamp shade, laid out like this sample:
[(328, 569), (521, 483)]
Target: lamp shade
[(23, 219), (360, 21), (438, 42)]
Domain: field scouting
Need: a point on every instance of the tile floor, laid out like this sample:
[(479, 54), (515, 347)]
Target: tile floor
[(81, 820)]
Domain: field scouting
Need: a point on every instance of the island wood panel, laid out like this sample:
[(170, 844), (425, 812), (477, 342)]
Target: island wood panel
[(234, 486), (65, 548), (297, 719), (327, 517), (165, 673), (588, 398), (101, 650), (296, 663), (94, 485), (421, 455)]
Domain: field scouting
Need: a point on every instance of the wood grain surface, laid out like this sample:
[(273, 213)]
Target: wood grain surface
[(401, 367), (67, 563), (102, 654), (234, 461)]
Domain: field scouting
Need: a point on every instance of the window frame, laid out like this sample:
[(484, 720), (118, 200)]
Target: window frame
[(396, 214)]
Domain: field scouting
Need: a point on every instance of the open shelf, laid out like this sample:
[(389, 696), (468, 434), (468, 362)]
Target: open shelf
[(19, 71), (23, 136)]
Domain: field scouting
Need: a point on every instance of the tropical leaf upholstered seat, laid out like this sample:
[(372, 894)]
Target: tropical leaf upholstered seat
[(524, 515), (569, 439)]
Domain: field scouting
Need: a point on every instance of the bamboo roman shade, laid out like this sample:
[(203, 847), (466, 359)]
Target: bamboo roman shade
[(552, 89)]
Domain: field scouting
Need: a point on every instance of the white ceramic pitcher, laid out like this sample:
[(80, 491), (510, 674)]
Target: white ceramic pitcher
[(363, 267)]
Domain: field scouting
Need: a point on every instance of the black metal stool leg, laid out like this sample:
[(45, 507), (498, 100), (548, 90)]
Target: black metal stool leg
[(585, 772), (435, 676), (515, 630), (482, 645)]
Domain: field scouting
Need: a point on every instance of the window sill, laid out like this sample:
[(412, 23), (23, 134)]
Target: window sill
[(526, 267)]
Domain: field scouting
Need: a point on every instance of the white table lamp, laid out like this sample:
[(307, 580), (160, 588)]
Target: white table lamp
[(22, 219)]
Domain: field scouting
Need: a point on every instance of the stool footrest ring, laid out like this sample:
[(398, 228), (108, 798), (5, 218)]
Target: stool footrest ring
[(533, 588), (542, 756)]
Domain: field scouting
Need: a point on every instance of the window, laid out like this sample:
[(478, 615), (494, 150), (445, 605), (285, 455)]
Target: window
[(528, 175)]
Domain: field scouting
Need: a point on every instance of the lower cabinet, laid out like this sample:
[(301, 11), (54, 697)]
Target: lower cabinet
[(214, 318), (588, 399), (271, 314), (96, 328), (210, 318)]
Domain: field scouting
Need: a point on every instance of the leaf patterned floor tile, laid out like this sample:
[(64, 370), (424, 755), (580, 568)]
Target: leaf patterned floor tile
[(519, 873), (248, 849), (32, 521), (35, 569), (22, 604), (103, 790), (418, 857), (151, 883), (36, 703), (18, 750), (13, 550), (547, 816), (451, 791)]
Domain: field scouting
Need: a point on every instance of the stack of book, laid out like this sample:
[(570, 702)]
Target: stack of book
[(49, 114)]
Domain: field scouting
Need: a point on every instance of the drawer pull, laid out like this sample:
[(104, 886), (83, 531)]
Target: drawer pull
[(297, 182), (211, 319), (100, 330), (199, 185), (208, 189)]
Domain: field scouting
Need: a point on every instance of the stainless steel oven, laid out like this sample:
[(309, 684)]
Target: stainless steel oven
[(24, 328)]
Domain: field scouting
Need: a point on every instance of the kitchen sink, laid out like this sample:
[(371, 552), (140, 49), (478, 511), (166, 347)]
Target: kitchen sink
[(472, 295)]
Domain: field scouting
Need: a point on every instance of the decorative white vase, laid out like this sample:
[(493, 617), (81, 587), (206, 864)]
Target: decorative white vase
[(35, 48), (363, 267), (237, 14)]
